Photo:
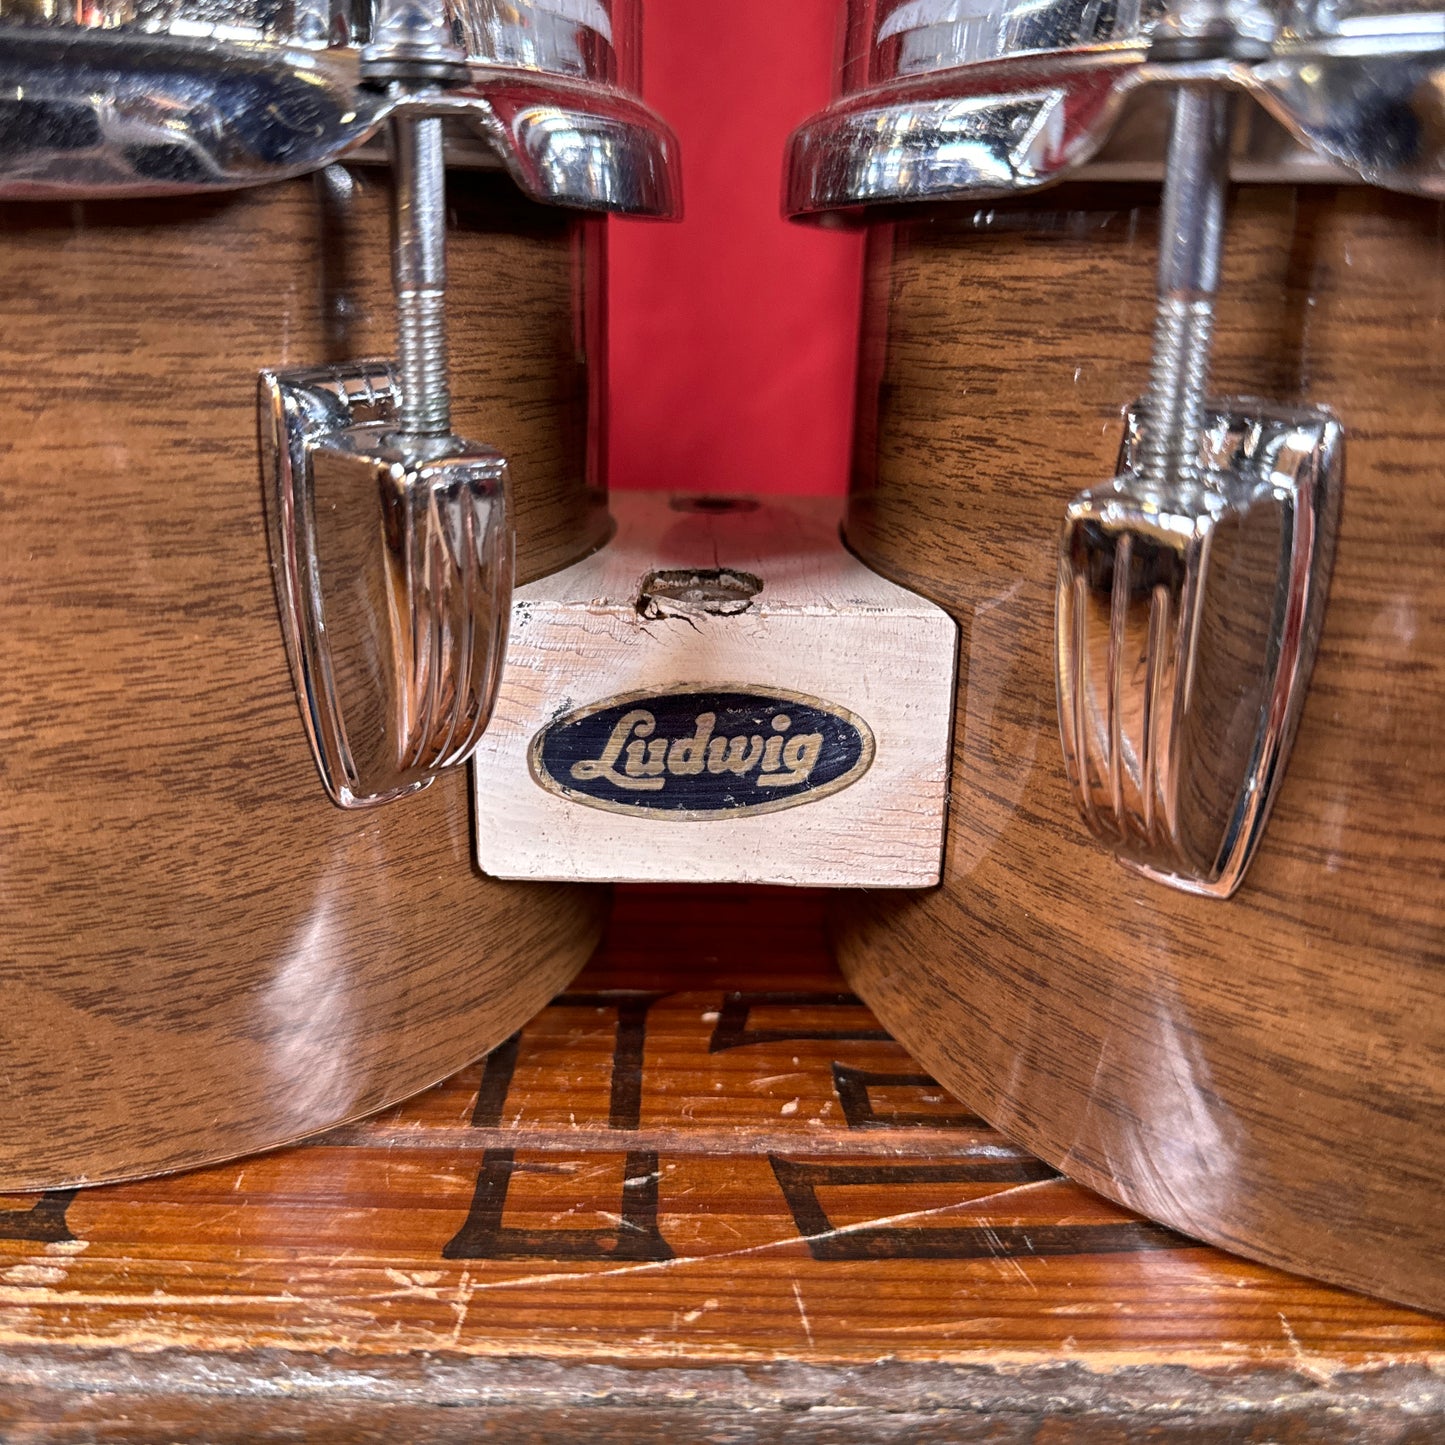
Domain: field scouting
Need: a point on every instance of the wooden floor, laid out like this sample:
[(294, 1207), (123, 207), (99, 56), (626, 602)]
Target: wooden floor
[(702, 1197)]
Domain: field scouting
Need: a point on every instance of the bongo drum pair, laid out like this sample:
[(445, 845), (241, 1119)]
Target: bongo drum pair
[(1183, 934)]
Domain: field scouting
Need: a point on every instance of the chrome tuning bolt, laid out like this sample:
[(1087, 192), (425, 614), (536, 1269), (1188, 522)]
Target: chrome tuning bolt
[(413, 52), (419, 276), (1191, 230), (1191, 585), (391, 539), (1191, 246)]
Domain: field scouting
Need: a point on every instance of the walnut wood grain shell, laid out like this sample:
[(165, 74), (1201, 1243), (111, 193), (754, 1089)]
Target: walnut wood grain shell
[(202, 956), (1267, 1073)]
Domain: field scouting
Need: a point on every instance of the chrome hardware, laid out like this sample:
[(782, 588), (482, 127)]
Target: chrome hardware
[(1191, 588), (975, 99), (413, 50), (1191, 245), (393, 574), (195, 95), (411, 43), (1187, 625), (391, 537), (890, 39), (100, 113), (419, 278), (1369, 99)]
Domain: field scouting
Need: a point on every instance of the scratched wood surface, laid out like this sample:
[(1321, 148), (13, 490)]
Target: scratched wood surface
[(188, 927), (1266, 1072), (701, 1196)]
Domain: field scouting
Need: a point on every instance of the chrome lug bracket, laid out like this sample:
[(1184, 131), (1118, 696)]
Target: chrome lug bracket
[(1186, 631), (88, 111), (958, 102), (390, 535), (393, 568)]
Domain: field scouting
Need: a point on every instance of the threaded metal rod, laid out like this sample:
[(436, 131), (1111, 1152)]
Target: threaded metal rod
[(419, 276), (1191, 244)]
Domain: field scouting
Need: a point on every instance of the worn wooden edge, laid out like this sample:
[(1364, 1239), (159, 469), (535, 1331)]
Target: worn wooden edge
[(277, 1391), (593, 639)]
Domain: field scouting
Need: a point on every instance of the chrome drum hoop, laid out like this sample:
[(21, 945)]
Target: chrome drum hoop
[(587, 40), (981, 99), (191, 95)]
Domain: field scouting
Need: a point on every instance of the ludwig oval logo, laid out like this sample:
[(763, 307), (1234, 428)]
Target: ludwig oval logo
[(702, 752)]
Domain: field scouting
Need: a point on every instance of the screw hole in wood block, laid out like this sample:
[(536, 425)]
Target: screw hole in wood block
[(716, 592)]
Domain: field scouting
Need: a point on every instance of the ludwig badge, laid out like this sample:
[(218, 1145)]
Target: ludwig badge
[(721, 694)]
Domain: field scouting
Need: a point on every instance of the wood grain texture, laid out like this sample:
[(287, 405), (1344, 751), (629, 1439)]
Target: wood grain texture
[(701, 1197), (585, 636), (202, 956), (1266, 1073)]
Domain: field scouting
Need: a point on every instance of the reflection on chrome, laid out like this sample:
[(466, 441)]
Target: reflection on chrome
[(565, 37), (190, 95), (1187, 621), (617, 157), (119, 114), (560, 36), (952, 90), (563, 151), (940, 34), (393, 571)]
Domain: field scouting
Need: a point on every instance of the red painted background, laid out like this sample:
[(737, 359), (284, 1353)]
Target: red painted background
[(734, 334)]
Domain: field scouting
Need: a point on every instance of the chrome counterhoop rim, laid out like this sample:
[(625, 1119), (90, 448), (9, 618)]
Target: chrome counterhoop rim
[(1348, 108), (90, 112)]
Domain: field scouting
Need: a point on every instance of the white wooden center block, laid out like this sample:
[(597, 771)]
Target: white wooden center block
[(721, 694)]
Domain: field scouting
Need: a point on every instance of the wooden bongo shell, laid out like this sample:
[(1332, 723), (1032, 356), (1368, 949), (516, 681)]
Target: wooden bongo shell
[(1267, 1073), (202, 955)]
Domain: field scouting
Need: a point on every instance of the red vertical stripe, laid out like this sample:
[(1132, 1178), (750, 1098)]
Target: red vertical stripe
[(734, 334)]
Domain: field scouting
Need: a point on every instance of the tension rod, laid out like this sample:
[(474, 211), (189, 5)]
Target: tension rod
[(1191, 245), (1191, 233), (413, 50)]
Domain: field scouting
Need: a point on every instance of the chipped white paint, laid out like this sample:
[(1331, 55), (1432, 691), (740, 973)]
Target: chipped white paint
[(34, 1274), (803, 1311), (461, 1304), (822, 626)]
